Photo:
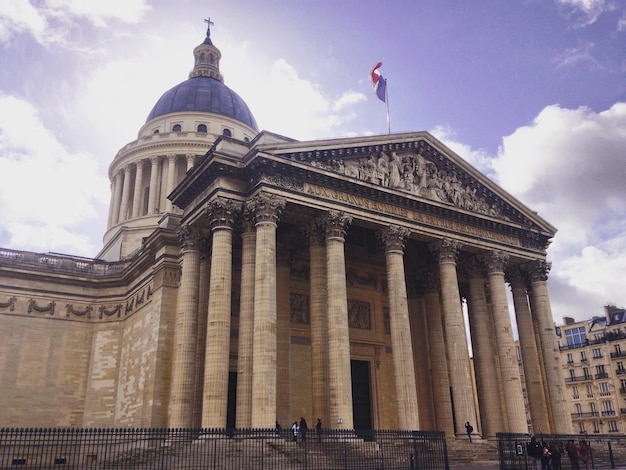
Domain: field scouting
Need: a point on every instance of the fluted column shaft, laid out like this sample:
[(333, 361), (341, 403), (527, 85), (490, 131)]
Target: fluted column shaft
[(456, 338), (203, 307), (181, 405), (509, 368), (222, 215), (394, 239), (110, 221), (117, 199), (246, 324), (339, 370), (137, 192), (171, 180), (125, 194), (266, 209), (528, 349), (283, 339), (319, 322), (487, 385), (439, 366), (549, 346), (153, 192)]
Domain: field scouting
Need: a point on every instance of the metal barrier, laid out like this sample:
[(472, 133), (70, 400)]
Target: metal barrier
[(606, 451), (239, 449)]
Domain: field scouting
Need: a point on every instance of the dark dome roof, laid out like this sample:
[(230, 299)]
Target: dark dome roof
[(203, 95)]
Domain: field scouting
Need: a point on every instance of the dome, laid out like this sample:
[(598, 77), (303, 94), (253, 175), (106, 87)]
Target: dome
[(204, 95)]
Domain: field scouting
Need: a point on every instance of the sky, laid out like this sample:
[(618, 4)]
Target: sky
[(530, 92)]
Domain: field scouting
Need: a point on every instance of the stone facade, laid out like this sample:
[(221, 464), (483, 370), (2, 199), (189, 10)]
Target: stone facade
[(247, 278)]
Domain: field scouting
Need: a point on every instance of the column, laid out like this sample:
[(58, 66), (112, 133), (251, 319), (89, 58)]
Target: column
[(528, 349), (117, 200), (339, 371), (171, 180), (283, 332), (138, 193), (266, 209), (542, 311), (394, 239), (509, 368), (222, 214), (181, 408), (203, 307), (110, 220), (487, 384), (153, 191), (319, 321), (439, 366), (246, 323), (191, 158), (125, 195), (456, 339)]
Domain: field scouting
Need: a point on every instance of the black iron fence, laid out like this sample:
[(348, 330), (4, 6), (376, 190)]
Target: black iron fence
[(606, 450), (238, 449)]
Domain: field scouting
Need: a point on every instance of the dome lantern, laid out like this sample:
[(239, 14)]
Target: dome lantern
[(207, 58)]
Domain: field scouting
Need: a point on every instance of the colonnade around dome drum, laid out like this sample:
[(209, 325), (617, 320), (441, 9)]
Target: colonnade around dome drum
[(306, 292), (140, 188)]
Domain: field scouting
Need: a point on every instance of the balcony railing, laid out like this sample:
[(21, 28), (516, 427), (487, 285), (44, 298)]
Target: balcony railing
[(591, 414), (618, 354), (608, 413), (602, 375), (578, 379)]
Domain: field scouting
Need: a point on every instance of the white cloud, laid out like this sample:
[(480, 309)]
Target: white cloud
[(570, 166), (46, 192), (586, 12)]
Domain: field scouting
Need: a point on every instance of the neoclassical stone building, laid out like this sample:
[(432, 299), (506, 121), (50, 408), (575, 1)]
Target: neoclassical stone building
[(247, 278)]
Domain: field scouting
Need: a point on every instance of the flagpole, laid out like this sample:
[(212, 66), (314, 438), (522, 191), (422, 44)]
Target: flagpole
[(387, 103)]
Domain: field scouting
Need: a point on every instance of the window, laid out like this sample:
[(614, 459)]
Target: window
[(572, 375), (583, 356), (613, 426), (593, 409), (596, 427), (622, 384), (570, 359), (156, 131), (581, 427), (620, 368), (579, 409), (576, 337), (589, 391), (597, 353), (618, 350), (586, 373), (176, 128), (575, 392), (604, 389), (600, 372), (227, 133), (202, 128)]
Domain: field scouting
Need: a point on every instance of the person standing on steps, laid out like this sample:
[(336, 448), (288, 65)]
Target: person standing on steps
[(469, 429), (318, 430), (294, 431), (303, 429)]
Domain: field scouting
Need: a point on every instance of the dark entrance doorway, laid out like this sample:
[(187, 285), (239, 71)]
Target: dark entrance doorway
[(361, 395), (231, 411)]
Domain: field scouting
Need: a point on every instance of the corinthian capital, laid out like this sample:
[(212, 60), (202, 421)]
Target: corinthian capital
[(266, 207), (189, 237), (394, 237), (538, 270), (223, 212), (336, 224), (495, 261), (446, 250)]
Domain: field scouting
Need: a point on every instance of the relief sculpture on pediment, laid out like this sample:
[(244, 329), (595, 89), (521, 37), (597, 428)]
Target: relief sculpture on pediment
[(414, 173)]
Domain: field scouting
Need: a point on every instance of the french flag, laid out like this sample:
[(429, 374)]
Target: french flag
[(379, 83)]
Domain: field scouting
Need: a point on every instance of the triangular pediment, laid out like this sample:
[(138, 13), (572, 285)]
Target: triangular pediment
[(419, 166)]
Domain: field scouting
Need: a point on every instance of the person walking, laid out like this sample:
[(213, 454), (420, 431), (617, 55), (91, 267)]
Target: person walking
[(294, 431), (572, 453), (584, 452)]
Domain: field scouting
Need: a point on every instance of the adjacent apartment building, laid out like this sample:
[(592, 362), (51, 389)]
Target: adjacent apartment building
[(593, 359)]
